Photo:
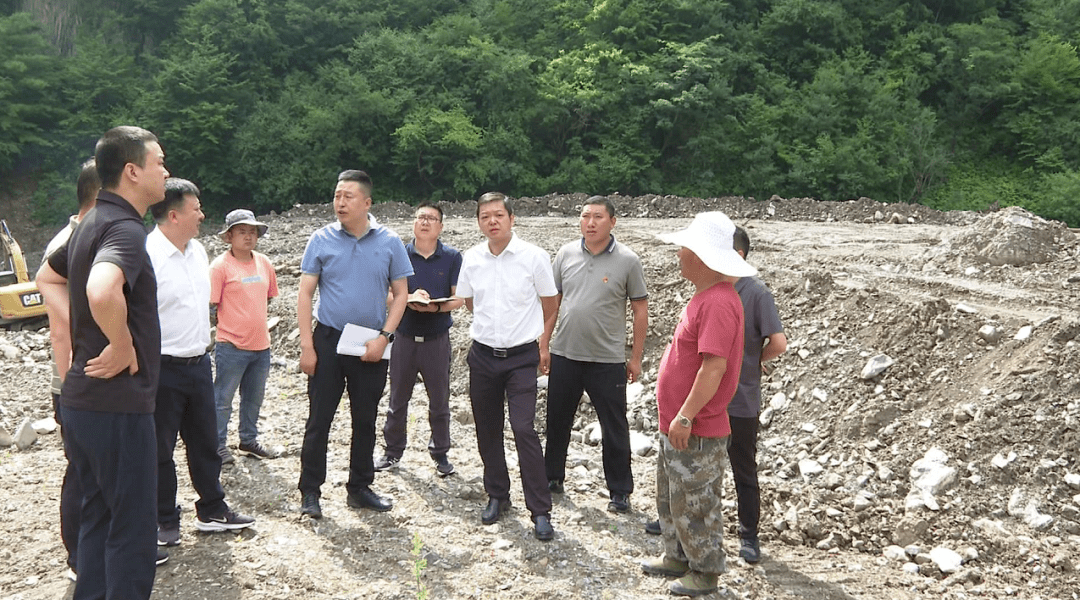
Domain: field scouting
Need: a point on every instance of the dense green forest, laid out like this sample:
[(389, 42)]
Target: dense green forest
[(949, 103)]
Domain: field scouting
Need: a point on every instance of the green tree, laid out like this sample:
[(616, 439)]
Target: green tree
[(29, 82)]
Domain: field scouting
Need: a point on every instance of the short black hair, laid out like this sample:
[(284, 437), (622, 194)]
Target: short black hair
[(175, 190), (431, 205), (118, 147), (88, 184), (359, 177), (490, 197), (741, 241), (602, 201)]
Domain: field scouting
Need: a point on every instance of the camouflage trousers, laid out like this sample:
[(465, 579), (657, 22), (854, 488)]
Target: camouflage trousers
[(688, 493)]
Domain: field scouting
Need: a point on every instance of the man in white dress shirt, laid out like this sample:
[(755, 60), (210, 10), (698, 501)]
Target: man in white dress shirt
[(185, 396), (507, 284)]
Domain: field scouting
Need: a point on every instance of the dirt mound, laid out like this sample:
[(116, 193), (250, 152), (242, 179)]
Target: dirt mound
[(1013, 236)]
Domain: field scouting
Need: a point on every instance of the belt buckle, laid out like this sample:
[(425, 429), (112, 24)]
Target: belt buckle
[(419, 339), (499, 352)]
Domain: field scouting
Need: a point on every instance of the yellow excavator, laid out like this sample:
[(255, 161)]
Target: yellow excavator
[(21, 304)]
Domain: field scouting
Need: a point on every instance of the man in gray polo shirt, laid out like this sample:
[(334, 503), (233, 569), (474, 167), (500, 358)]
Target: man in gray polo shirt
[(595, 277)]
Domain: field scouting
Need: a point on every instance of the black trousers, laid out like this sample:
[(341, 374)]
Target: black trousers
[(185, 406), (606, 385), (742, 452), (334, 374), (71, 495), (510, 381), (113, 455)]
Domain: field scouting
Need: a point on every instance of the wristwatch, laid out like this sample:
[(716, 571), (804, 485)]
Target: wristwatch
[(687, 423), (388, 335)]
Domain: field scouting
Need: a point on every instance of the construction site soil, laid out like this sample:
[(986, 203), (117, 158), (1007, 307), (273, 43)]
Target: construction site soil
[(919, 438)]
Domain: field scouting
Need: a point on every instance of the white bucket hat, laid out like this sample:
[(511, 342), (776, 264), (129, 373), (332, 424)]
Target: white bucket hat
[(711, 237)]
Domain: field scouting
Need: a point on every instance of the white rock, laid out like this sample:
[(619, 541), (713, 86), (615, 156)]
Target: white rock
[(946, 560), (803, 353), (634, 392), (820, 395), (501, 544), (876, 365), (809, 427), (44, 426), (894, 553), (766, 417), (542, 382), (26, 435), (964, 308), (1023, 333), (969, 554), (990, 334), (10, 352), (640, 444), (930, 477), (779, 401), (1001, 461), (862, 503), (1026, 508), (5, 438), (809, 467), (1071, 479), (910, 568), (596, 435)]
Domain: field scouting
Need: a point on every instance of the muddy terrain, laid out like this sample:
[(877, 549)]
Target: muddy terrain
[(919, 440)]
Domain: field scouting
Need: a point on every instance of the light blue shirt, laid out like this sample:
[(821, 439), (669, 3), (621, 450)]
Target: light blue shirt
[(354, 274)]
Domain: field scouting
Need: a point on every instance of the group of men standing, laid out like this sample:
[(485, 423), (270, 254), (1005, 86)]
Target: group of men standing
[(138, 373)]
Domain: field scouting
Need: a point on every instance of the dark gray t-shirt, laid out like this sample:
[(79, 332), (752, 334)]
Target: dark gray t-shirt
[(762, 320), (592, 317)]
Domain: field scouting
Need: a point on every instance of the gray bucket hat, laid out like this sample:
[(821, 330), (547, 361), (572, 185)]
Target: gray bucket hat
[(242, 216)]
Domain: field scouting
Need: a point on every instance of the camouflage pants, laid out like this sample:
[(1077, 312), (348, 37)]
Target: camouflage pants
[(688, 495)]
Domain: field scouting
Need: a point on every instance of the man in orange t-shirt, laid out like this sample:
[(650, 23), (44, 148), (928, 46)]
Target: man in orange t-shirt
[(242, 282)]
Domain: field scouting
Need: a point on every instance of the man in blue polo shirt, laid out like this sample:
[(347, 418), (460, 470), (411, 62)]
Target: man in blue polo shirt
[(423, 342), (352, 263)]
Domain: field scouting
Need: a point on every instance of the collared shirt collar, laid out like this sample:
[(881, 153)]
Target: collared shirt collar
[(112, 198), (411, 247), (373, 224), (158, 237), (608, 249)]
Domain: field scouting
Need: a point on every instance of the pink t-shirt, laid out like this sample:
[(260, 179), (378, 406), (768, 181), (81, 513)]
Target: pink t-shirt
[(241, 290), (712, 323)]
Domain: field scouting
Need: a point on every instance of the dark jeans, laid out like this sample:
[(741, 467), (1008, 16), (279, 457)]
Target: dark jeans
[(742, 451), (510, 381), (431, 359), (606, 385), (71, 496), (185, 406), (334, 374), (113, 455)]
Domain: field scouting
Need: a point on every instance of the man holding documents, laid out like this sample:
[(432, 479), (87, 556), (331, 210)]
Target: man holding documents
[(423, 342), (352, 263)]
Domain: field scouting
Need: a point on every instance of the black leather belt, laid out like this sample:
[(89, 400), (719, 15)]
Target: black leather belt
[(505, 352), (178, 360)]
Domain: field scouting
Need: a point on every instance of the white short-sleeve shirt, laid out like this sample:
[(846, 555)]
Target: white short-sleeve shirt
[(506, 291)]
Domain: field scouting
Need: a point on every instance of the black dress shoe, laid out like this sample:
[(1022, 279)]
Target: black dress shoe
[(366, 498), (653, 527), (310, 506), (542, 528), (494, 509), (620, 503)]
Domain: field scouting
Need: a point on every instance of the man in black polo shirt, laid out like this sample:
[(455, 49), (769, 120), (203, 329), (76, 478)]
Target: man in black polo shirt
[(423, 342), (107, 400)]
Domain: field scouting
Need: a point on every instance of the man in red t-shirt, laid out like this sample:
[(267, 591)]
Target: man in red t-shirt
[(699, 374)]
